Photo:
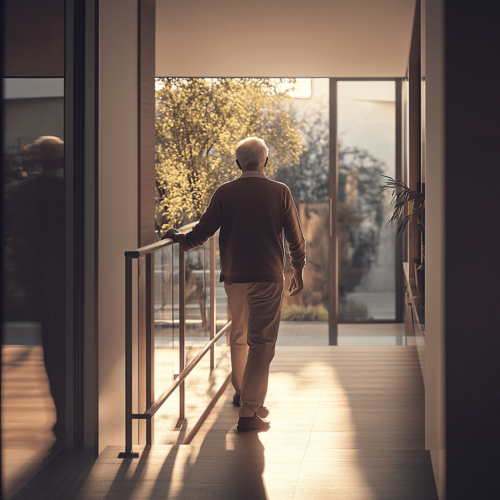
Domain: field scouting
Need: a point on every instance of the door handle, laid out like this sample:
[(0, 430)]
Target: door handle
[(331, 218)]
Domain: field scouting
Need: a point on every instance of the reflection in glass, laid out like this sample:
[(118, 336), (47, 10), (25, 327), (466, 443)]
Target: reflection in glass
[(33, 351), (197, 279), (308, 182), (366, 245), (166, 322)]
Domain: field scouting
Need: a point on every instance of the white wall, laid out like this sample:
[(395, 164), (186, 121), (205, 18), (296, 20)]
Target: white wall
[(118, 202), (283, 38), (435, 241)]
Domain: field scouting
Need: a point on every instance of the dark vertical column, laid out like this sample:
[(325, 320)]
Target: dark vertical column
[(91, 228), (414, 133), (2, 211), (399, 176), (80, 129), (128, 360), (333, 279), (69, 132), (128, 355), (146, 162), (472, 272), (147, 13), (405, 167), (75, 196)]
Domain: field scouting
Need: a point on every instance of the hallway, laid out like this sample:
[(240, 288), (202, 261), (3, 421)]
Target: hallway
[(346, 423)]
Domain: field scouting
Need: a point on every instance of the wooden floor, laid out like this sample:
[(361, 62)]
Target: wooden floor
[(201, 387), (28, 413), (346, 423)]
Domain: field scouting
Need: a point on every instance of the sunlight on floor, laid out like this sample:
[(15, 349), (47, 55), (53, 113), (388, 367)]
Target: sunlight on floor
[(315, 333), (347, 423)]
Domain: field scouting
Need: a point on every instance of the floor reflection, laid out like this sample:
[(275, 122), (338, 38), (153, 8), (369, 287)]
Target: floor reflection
[(28, 414), (315, 333)]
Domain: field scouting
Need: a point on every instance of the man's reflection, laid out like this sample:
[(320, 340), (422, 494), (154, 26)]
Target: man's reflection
[(35, 249)]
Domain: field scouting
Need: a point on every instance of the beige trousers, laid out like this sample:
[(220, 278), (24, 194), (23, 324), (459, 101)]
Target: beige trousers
[(255, 314)]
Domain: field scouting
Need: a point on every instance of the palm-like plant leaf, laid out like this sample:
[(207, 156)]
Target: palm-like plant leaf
[(403, 196)]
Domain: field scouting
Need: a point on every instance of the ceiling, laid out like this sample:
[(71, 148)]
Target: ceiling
[(283, 38)]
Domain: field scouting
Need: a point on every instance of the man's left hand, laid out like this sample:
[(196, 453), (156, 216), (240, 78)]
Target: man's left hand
[(296, 283)]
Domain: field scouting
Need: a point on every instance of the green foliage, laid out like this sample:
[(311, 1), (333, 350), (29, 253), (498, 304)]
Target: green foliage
[(360, 214), (403, 197), (199, 123), (360, 208), (308, 179), (305, 313)]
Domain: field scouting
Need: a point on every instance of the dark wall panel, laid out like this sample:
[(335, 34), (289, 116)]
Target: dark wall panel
[(34, 38), (472, 76), (415, 143)]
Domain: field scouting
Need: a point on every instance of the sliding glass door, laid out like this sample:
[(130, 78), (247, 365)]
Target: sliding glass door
[(363, 247)]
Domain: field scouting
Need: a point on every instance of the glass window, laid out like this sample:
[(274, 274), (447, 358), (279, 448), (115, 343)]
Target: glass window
[(33, 352), (366, 244), (308, 181)]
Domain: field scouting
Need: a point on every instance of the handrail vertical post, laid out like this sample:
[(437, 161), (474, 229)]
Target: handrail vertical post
[(182, 329), (128, 361), (150, 345), (140, 344), (213, 312)]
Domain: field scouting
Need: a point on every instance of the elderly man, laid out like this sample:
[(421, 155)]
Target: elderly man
[(252, 213)]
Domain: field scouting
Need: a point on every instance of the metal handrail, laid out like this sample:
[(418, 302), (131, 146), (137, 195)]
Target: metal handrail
[(182, 376), (154, 247), (144, 255)]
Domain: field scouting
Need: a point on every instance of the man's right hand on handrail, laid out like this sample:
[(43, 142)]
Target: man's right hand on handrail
[(173, 234)]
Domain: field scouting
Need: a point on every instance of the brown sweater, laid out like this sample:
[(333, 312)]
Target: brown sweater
[(252, 212)]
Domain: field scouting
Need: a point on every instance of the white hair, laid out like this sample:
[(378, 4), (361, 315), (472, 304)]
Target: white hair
[(251, 153)]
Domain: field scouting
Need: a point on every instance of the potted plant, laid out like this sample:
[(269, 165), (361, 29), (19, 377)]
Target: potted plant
[(409, 204)]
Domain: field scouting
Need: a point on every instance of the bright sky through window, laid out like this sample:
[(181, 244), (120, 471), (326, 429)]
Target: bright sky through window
[(302, 88)]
